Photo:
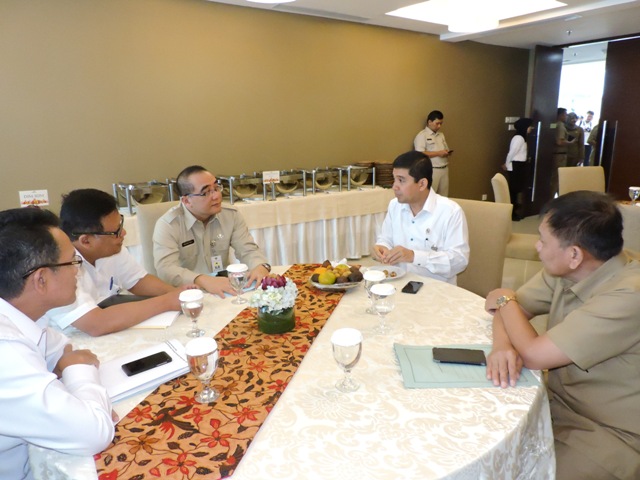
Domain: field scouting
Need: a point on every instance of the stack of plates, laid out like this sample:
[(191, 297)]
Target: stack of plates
[(384, 174)]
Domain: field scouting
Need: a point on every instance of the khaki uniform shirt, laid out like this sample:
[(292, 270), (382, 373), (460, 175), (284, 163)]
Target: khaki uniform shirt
[(595, 401), (183, 245), (428, 141)]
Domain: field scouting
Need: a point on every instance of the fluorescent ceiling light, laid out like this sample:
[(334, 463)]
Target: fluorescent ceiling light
[(472, 15)]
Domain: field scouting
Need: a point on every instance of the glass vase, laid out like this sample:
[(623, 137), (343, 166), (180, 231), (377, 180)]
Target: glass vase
[(281, 322)]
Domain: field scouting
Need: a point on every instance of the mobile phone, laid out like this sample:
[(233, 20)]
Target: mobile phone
[(449, 152), (146, 363), (412, 287), (465, 356)]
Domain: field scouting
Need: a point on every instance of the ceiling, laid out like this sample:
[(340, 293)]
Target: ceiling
[(579, 22)]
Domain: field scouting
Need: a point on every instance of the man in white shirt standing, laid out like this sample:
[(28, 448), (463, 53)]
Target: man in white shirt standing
[(423, 232), (91, 220), (431, 142), (50, 394)]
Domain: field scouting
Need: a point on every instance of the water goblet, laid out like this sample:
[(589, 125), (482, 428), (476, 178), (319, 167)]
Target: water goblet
[(347, 347), (383, 295), (202, 355), (371, 278), (238, 275), (192, 301), (634, 194)]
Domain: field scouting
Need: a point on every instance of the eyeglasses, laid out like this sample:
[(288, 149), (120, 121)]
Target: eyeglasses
[(77, 260), (209, 193), (111, 234)]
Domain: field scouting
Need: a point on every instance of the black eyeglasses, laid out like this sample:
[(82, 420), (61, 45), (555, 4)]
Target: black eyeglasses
[(77, 260), (110, 234), (215, 189)]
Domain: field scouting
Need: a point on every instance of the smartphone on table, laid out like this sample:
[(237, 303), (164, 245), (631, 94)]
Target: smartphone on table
[(466, 356), (146, 363), (412, 287)]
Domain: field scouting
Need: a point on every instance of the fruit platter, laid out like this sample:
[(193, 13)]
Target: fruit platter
[(338, 277)]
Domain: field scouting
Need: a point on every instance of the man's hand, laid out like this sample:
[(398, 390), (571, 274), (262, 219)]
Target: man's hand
[(75, 357), (378, 252), (256, 275), (216, 285), (504, 366), (492, 298), (396, 255)]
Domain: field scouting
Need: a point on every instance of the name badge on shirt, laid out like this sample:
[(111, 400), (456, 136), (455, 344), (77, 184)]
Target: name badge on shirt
[(188, 242), (216, 263)]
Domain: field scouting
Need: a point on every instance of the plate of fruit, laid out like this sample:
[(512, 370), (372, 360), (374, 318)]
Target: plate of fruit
[(338, 277)]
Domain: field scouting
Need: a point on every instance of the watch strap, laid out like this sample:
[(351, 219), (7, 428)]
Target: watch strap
[(267, 266)]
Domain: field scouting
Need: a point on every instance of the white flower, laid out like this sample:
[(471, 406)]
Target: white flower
[(275, 299)]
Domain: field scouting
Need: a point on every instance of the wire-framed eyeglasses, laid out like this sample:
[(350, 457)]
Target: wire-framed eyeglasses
[(216, 188), (77, 260)]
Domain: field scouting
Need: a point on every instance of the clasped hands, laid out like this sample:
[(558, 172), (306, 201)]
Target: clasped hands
[(398, 254)]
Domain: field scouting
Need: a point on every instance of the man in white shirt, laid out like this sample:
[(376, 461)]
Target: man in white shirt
[(431, 142), (91, 220), (50, 394), (423, 232)]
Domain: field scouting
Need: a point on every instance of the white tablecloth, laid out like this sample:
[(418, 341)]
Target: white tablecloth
[(307, 229), (382, 431)]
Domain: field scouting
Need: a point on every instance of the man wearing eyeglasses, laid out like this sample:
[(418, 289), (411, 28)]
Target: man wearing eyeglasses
[(191, 241), (91, 219), (50, 394)]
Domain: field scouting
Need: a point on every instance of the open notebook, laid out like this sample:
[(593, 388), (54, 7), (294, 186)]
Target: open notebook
[(120, 386)]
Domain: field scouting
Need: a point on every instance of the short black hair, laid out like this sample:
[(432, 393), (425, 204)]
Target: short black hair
[(83, 210), (26, 242), (182, 182), (435, 115), (590, 220), (521, 125), (418, 164), (561, 111)]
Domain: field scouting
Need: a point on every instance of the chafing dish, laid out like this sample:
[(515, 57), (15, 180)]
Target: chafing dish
[(128, 195)]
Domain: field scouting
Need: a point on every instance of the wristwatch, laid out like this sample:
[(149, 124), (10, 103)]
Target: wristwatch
[(267, 266), (503, 300)]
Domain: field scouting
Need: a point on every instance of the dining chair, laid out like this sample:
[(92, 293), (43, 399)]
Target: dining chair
[(489, 226), (148, 215), (500, 188), (571, 179), (631, 227)]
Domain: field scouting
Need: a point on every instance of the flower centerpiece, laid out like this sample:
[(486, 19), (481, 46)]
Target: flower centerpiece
[(275, 299)]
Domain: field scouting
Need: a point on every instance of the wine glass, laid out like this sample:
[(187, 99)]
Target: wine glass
[(634, 194), (371, 278), (383, 295), (237, 273), (347, 347), (202, 355), (191, 302)]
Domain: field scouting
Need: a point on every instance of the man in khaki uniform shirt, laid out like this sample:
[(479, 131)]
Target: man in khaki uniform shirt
[(192, 240), (591, 291)]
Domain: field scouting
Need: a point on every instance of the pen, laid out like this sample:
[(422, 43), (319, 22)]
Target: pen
[(111, 284)]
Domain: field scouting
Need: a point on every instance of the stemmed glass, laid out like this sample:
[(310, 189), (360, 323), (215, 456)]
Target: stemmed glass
[(347, 347), (202, 355), (634, 194), (192, 301), (237, 273), (371, 278), (383, 295)]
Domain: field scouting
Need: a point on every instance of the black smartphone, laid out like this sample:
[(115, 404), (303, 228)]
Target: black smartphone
[(466, 356), (146, 363), (412, 287)]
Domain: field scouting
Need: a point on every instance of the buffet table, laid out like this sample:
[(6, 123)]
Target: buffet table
[(313, 228), (381, 431)]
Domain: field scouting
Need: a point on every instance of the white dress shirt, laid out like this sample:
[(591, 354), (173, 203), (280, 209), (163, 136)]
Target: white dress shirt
[(438, 236), (71, 415), (109, 276), (517, 151)]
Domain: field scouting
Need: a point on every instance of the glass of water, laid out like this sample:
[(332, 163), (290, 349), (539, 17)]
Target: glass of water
[(238, 274)]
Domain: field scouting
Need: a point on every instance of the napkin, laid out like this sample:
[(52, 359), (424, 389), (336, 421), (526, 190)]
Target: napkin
[(420, 371)]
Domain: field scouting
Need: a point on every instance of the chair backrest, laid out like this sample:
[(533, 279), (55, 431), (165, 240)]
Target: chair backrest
[(631, 224), (148, 215), (500, 189), (489, 231), (571, 179)]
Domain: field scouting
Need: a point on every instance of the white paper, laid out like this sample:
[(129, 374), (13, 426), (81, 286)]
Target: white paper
[(120, 386), (162, 320)]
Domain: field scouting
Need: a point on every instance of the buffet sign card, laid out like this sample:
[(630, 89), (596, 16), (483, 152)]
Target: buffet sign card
[(30, 198), (271, 176)]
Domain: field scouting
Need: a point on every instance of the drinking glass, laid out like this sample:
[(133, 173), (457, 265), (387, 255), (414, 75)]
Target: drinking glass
[(238, 274), (202, 355), (347, 347), (371, 278), (634, 194), (383, 295), (192, 301)]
